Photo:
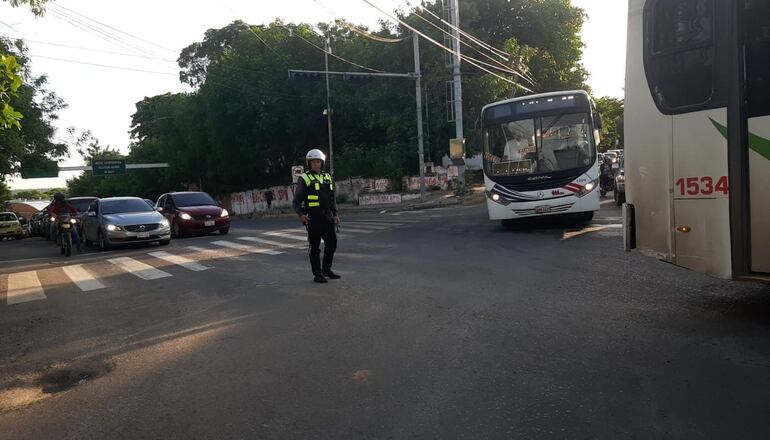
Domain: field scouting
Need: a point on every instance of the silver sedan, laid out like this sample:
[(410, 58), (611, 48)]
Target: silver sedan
[(121, 220)]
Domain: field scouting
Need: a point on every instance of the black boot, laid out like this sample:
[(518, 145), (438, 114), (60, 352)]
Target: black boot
[(331, 275), (319, 278)]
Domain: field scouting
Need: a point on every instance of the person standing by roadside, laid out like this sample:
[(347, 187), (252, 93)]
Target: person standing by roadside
[(315, 205), (269, 196)]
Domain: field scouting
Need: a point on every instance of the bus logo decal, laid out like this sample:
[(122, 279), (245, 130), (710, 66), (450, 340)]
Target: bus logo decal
[(756, 143)]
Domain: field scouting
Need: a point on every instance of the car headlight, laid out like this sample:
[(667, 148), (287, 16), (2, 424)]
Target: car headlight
[(225, 213), (113, 228), (185, 216), (164, 223)]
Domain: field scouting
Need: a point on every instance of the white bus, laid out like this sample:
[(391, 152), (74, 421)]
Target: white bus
[(540, 156), (697, 134)]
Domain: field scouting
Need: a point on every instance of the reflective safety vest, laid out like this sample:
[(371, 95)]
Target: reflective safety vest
[(315, 183)]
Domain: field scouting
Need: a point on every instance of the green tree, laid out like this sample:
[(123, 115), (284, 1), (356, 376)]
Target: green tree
[(611, 110), (31, 194), (10, 81), (5, 192), (245, 123), (36, 6), (33, 142)]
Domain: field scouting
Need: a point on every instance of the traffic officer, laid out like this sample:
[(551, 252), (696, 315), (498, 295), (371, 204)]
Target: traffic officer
[(315, 204)]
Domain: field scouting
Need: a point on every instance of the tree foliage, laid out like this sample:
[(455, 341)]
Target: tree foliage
[(611, 110), (36, 6), (33, 141), (246, 122)]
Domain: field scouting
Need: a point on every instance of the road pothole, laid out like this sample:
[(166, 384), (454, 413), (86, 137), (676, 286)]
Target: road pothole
[(63, 379)]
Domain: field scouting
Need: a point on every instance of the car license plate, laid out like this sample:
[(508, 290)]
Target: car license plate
[(542, 209), (65, 226), (209, 223), (143, 235), (615, 166)]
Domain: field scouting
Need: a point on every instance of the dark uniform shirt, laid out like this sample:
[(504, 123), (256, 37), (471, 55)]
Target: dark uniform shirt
[(328, 204)]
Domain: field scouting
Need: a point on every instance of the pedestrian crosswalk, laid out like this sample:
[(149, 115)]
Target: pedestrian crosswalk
[(30, 286)]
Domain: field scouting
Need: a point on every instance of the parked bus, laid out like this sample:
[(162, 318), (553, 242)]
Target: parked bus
[(697, 134), (540, 156)]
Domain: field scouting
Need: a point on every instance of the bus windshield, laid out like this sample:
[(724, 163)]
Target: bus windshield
[(539, 145)]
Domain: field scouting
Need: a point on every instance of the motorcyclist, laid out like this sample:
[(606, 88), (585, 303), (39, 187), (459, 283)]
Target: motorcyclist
[(606, 173), (60, 205)]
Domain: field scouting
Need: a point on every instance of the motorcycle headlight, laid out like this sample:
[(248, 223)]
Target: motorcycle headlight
[(73, 221), (53, 219), (185, 216)]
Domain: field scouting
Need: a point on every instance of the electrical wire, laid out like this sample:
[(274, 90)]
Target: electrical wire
[(103, 65), (356, 29), (337, 56), (470, 60), (89, 49), (478, 41), (503, 67), (56, 5)]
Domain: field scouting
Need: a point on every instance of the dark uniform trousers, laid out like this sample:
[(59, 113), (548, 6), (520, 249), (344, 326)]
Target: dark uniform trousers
[(321, 227)]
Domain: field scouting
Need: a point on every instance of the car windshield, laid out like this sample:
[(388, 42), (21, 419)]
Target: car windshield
[(81, 204), (124, 206), (540, 145), (7, 217), (193, 199)]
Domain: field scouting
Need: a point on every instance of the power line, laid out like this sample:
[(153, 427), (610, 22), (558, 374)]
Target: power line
[(89, 49), (56, 5), (103, 65), (106, 36), (503, 67), (470, 60), (356, 29), (337, 56), (478, 41)]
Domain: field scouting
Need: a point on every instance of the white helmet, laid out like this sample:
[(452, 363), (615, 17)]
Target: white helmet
[(315, 154)]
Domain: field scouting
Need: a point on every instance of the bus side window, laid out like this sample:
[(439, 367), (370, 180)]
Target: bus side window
[(679, 54), (758, 57)]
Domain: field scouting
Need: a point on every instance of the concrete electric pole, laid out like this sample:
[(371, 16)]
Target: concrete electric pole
[(454, 17)]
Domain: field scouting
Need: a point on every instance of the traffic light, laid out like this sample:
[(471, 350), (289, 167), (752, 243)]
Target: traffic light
[(305, 76), (356, 78)]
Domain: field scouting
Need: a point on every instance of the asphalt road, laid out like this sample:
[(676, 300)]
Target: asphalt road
[(444, 326)]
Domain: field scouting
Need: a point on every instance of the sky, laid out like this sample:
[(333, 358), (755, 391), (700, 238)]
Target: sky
[(102, 99)]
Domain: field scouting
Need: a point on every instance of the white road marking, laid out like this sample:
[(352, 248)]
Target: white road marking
[(568, 235), (354, 230), (272, 243), (197, 249), (139, 269), (24, 287), (180, 261), (246, 248), (285, 235), (84, 279)]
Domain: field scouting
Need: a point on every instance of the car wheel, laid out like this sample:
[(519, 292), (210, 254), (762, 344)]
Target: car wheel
[(102, 240), (175, 230), (224, 231)]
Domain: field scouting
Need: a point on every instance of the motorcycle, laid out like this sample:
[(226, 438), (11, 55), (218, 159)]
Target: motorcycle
[(606, 184), (64, 225)]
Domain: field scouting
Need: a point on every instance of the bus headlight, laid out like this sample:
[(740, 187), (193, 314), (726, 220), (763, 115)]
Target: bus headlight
[(497, 198), (587, 189)]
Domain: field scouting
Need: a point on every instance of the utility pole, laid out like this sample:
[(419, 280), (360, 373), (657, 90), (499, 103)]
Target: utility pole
[(454, 15), (418, 96), (329, 108)]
